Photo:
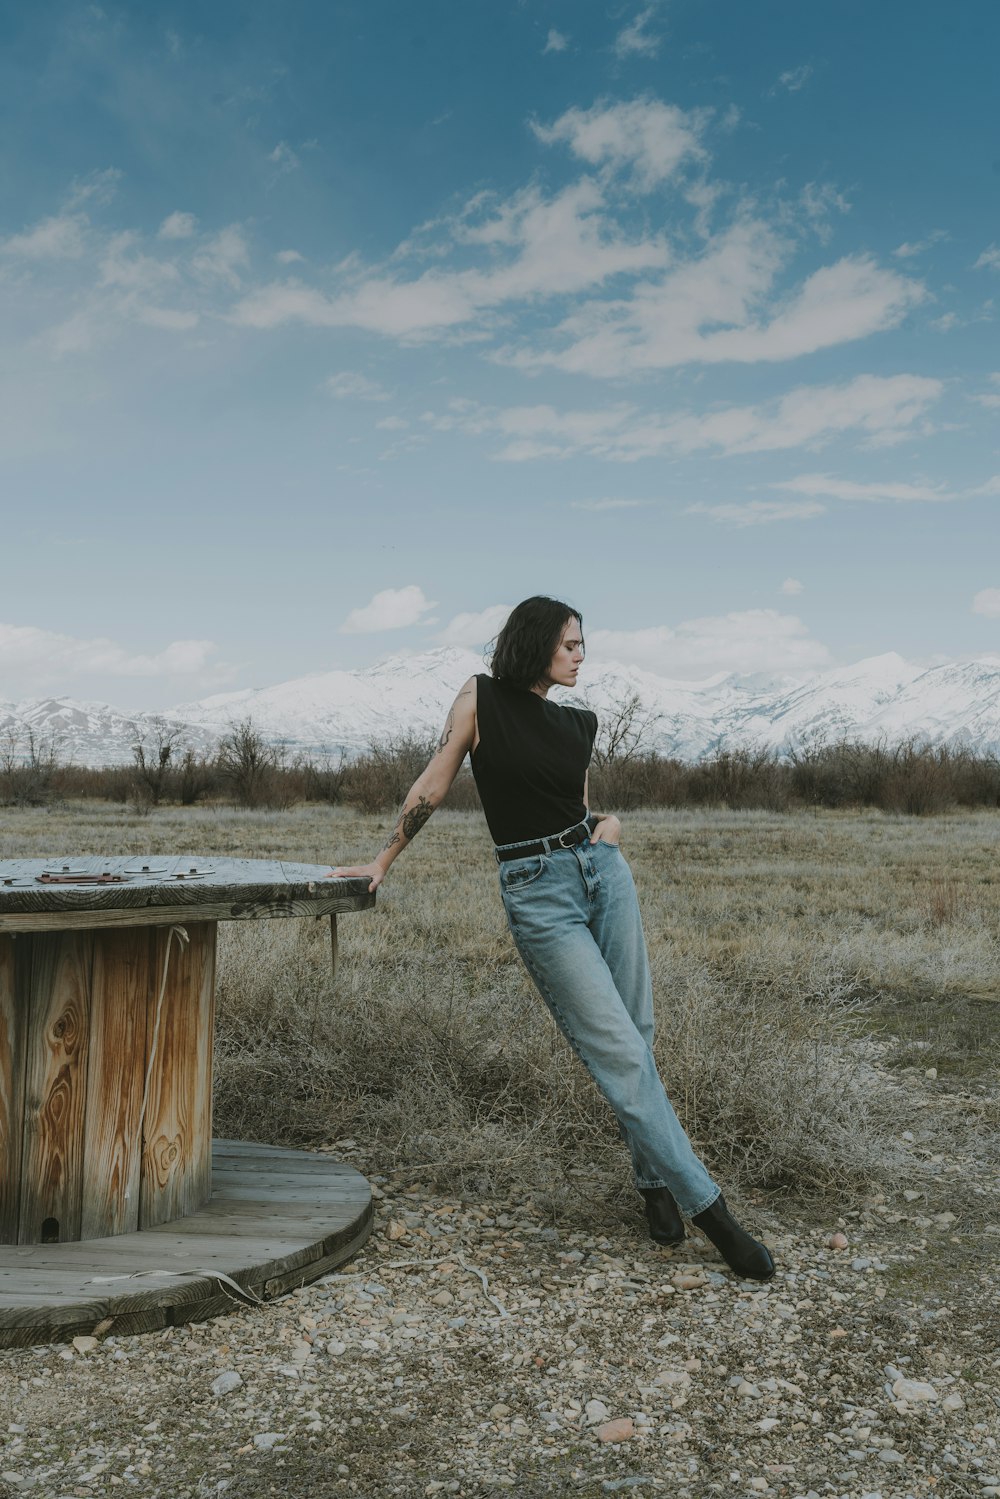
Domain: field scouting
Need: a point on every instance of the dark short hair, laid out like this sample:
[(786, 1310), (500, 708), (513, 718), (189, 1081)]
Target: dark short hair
[(525, 646)]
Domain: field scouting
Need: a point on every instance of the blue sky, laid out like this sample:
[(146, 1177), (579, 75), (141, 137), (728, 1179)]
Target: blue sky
[(330, 330)]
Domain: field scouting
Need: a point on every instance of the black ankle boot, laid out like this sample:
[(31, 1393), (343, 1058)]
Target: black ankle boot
[(740, 1252), (666, 1226)]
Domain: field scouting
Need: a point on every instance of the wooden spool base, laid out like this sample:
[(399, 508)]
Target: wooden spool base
[(276, 1219)]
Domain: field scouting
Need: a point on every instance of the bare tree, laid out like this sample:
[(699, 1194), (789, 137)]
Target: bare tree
[(248, 763), (152, 753), (624, 731), (28, 764), (624, 759)]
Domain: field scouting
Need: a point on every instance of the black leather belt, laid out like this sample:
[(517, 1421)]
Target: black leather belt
[(568, 839)]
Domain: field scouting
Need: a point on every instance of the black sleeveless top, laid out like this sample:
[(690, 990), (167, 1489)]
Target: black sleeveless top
[(530, 761)]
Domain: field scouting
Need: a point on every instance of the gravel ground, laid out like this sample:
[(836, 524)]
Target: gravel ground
[(476, 1348)]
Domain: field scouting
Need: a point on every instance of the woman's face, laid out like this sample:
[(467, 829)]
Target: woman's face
[(567, 656)]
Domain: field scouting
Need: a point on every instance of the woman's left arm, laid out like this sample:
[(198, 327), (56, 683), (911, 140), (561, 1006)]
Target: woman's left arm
[(608, 829)]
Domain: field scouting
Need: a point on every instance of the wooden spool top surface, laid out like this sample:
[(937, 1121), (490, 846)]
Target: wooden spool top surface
[(144, 888)]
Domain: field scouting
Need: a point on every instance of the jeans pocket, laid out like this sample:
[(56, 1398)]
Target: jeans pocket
[(515, 874)]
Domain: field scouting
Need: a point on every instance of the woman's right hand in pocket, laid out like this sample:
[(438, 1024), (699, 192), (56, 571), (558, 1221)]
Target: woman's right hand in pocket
[(373, 872)]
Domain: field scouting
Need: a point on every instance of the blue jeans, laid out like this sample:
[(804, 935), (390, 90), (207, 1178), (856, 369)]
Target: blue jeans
[(574, 917)]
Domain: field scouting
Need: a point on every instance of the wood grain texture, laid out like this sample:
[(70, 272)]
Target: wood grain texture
[(229, 889), (13, 1033), (176, 1169), (267, 908), (55, 1093), (123, 987), (159, 1277)]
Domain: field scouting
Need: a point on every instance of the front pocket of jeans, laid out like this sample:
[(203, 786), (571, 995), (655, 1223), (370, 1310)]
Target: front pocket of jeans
[(522, 872)]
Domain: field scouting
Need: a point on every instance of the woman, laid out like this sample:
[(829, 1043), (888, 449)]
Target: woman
[(570, 901)]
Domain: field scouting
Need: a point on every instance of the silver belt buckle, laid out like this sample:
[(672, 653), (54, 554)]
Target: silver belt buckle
[(559, 840)]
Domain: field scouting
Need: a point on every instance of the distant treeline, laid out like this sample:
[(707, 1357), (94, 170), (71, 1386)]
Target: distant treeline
[(246, 770)]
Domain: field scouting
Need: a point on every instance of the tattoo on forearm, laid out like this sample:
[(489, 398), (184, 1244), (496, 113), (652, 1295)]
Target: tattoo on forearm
[(413, 818), (392, 839)]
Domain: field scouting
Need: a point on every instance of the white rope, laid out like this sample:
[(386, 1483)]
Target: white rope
[(245, 1293), (183, 939)]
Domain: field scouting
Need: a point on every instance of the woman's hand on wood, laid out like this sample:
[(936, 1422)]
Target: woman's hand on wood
[(373, 872), (608, 830)]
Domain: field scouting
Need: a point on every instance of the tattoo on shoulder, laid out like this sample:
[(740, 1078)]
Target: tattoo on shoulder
[(414, 818)]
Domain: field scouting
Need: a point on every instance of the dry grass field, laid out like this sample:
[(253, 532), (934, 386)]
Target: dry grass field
[(801, 964), (827, 995)]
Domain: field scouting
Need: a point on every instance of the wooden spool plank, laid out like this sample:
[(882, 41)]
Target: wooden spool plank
[(306, 1166), (13, 1033), (266, 907), (55, 1087), (122, 989), (334, 950), (176, 1170), (161, 1277)]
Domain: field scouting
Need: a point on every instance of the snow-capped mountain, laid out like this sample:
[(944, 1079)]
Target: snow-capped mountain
[(884, 697)]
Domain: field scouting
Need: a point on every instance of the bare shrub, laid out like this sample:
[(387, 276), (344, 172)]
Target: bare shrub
[(29, 763), (197, 776), (322, 777), (434, 1048), (943, 902), (742, 779), (249, 766), (464, 794), (765, 1080), (378, 780), (153, 750)]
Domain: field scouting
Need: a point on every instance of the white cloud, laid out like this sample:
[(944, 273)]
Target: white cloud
[(288, 257), (223, 257), (907, 250), (635, 39), (819, 201), (792, 586), (60, 237), (794, 79), (651, 138), (178, 226), (556, 41), (707, 310), (392, 424), (847, 489), (350, 384), (991, 487), (97, 187), (561, 246), (174, 320), (283, 158), (989, 260), (760, 513), (745, 641), (990, 399), (392, 609), (123, 265), (882, 409), (987, 603), (24, 646), (475, 630)]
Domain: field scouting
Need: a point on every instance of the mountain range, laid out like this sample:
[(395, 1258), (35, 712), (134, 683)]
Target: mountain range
[(884, 697)]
